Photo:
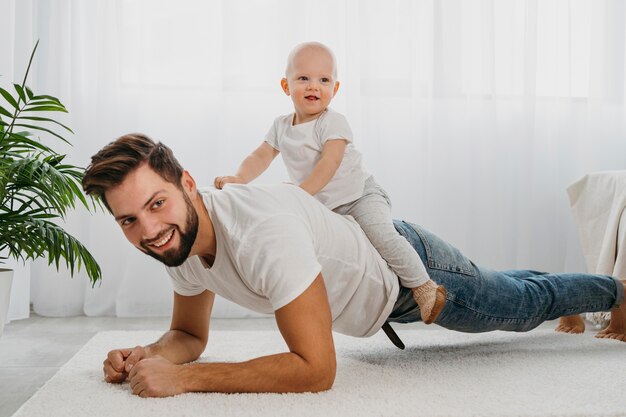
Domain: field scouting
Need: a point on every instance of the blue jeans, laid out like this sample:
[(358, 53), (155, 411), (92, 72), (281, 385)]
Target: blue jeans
[(482, 300)]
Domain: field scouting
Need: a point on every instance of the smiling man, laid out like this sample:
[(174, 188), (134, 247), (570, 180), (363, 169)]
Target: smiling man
[(275, 249)]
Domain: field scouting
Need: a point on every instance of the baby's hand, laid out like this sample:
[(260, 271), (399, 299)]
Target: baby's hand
[(220, 182)]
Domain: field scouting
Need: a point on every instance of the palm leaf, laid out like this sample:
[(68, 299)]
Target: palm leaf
[(20, 92), (46, 108), (37, 186), (43, 102), (43, 129), (46, 97), (4, 112), (20, 140), (38, 177), (33, 238), (45, 119), (9, 98)]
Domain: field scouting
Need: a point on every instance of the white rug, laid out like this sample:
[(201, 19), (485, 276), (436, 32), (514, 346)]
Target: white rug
[(441, 373)]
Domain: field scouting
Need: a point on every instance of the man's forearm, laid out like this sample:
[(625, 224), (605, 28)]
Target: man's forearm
[(284, 372), (309, 366), (177, 347)]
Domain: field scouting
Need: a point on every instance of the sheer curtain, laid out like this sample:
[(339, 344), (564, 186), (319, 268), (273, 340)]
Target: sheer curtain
[(475, 115)]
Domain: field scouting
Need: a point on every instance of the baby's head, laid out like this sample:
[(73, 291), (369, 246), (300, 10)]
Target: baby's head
[(311, 51), (310, 80)]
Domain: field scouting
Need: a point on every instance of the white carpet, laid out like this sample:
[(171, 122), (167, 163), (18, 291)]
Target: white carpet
[(441, 373)]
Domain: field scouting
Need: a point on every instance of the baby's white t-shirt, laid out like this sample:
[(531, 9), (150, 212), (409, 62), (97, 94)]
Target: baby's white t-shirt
[(301, 148), (272, 242)]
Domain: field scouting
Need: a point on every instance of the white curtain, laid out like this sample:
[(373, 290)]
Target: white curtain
[(475, 115)]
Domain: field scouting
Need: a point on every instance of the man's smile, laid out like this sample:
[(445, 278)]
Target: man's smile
[(164, 240)]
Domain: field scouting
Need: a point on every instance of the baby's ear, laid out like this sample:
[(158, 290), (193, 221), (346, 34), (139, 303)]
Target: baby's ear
[(285, 86), (336, 88)]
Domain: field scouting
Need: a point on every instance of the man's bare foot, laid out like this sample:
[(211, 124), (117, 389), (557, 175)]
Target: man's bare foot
[(571, 324), (617, 326)]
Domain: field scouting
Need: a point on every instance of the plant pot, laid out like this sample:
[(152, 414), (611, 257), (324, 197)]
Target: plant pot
[(6, 277)]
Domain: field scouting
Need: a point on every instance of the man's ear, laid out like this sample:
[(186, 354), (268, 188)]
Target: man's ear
[(189, 184), (285, 86), (336, 88)]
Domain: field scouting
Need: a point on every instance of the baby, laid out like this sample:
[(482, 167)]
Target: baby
[(316, 145)]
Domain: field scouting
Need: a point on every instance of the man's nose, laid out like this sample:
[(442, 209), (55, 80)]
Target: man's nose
[(150, 228)]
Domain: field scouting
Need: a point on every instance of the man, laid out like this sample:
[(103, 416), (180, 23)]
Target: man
[(273, 248)]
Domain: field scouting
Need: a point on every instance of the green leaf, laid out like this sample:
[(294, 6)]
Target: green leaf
[(37, 186), (9, 98), (16, 140), (45, 119), (34, 103), (78, 191), (20, 91), (46, 97), (4, 112), (44, 130), (52, 186), (34, 237), (47, 108)]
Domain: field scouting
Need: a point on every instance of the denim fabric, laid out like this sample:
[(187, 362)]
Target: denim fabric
[(482, 300)]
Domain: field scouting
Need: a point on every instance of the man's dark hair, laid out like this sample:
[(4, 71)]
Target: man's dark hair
[(110, 166)]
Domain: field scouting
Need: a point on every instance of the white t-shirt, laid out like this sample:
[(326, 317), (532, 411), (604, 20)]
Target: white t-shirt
[(273, 241), (301, 147)]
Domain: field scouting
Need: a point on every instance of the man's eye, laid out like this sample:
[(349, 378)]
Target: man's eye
[(158, 203), (127, 221)]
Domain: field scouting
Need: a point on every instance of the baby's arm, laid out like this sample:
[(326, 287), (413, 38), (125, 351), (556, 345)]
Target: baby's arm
[(332, 155), (251, 167)]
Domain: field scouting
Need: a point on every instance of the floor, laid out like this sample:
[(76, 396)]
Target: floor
[(33, 350)]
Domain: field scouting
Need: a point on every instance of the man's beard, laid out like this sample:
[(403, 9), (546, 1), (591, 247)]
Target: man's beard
[(176, 256)]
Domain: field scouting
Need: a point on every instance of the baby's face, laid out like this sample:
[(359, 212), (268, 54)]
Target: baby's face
[(310, 83)]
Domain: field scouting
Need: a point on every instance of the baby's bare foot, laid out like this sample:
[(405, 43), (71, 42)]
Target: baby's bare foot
[(617, 326), (571, 324)]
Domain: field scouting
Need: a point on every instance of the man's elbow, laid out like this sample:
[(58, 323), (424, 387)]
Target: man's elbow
[(324, 384), (195, 346), (201, 346), (323, 379)]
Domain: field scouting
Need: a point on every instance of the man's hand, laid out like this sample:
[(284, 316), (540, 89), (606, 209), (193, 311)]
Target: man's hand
[(156, 377), (120, 362), (220, 182), (183, 343)]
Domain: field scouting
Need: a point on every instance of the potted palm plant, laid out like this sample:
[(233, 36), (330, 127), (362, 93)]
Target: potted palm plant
[(37, 187)]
